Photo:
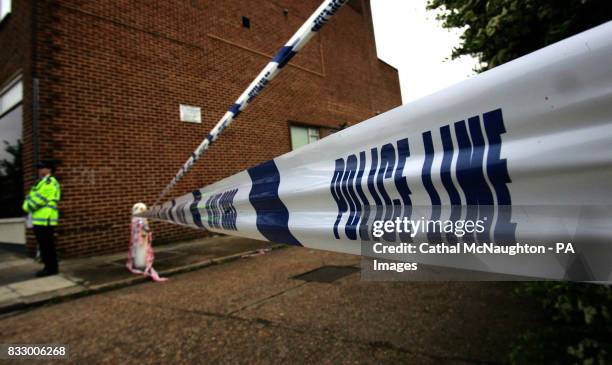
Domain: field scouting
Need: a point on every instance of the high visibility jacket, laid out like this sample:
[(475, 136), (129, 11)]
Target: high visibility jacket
[(42, 202)]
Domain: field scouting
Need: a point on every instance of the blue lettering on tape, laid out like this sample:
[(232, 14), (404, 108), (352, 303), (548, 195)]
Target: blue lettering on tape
[(388, 162), (426, 171), (235, 109), (220, 210), (335, 191), (193, 208), (283, 56), (272, 214), (497, 170)]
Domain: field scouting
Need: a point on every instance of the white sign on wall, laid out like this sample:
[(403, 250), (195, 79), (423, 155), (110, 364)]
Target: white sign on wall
[(191, 114)]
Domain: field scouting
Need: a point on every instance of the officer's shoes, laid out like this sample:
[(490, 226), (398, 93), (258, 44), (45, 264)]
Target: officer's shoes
[(45, 272)]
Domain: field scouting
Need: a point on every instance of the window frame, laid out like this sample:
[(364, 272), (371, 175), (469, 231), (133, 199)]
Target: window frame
[(16, 81), (6, 8), (309, 129), (14, 89), (246, 22)]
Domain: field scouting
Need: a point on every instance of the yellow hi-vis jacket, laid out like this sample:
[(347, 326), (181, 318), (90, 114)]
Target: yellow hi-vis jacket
[(42, 202)]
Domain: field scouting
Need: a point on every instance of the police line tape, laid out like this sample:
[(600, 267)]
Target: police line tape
[(535, 132), (312, 25)]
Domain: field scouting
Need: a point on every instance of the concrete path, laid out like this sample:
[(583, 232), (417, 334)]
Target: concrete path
[(20, 289), (263, 309), (15, 265)]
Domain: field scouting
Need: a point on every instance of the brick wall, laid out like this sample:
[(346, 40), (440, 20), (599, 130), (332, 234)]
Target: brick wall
[(15, 42), (112, 76)]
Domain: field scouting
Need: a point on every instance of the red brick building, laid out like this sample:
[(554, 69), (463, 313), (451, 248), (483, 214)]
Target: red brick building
[(102, 83)]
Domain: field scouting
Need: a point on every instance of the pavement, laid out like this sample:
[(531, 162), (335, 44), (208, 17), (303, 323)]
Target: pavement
[(20, 289), (292, 305)]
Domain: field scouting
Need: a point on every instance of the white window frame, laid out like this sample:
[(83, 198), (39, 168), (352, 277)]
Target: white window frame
[(11, 95), (313, 133), (5, 8)]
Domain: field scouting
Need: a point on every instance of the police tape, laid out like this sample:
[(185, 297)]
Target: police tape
[(528, 141), (312, 25)]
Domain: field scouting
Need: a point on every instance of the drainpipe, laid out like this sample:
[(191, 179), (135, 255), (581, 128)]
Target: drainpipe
[(35, 90), (35, 126)]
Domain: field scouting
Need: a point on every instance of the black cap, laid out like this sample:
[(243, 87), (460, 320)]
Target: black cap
[(45, 164)]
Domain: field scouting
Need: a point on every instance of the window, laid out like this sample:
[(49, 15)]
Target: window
[(301, 136), (246, 22), (11, 95), (5, 8), (11, 175)]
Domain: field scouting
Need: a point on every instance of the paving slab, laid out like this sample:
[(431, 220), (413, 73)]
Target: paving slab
[(41, 285), (8, 295), (16, 267), (16, 273), (10, 262)]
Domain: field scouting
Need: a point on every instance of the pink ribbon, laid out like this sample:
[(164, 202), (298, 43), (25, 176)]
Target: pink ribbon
[(136, 228)]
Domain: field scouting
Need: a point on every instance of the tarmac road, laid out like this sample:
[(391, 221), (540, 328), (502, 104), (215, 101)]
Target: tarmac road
[(253, 311)]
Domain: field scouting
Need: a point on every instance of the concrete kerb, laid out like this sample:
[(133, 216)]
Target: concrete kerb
[(82, 289)]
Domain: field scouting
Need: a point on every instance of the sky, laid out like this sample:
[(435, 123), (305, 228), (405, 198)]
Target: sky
[(409, 38)]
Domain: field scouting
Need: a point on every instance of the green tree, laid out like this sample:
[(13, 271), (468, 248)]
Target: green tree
[(498, 31)]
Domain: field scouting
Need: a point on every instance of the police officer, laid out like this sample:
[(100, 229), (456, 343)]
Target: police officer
[(41, 202)]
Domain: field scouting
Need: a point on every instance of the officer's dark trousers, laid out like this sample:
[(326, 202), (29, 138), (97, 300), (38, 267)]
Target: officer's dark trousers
[(45, 235)]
